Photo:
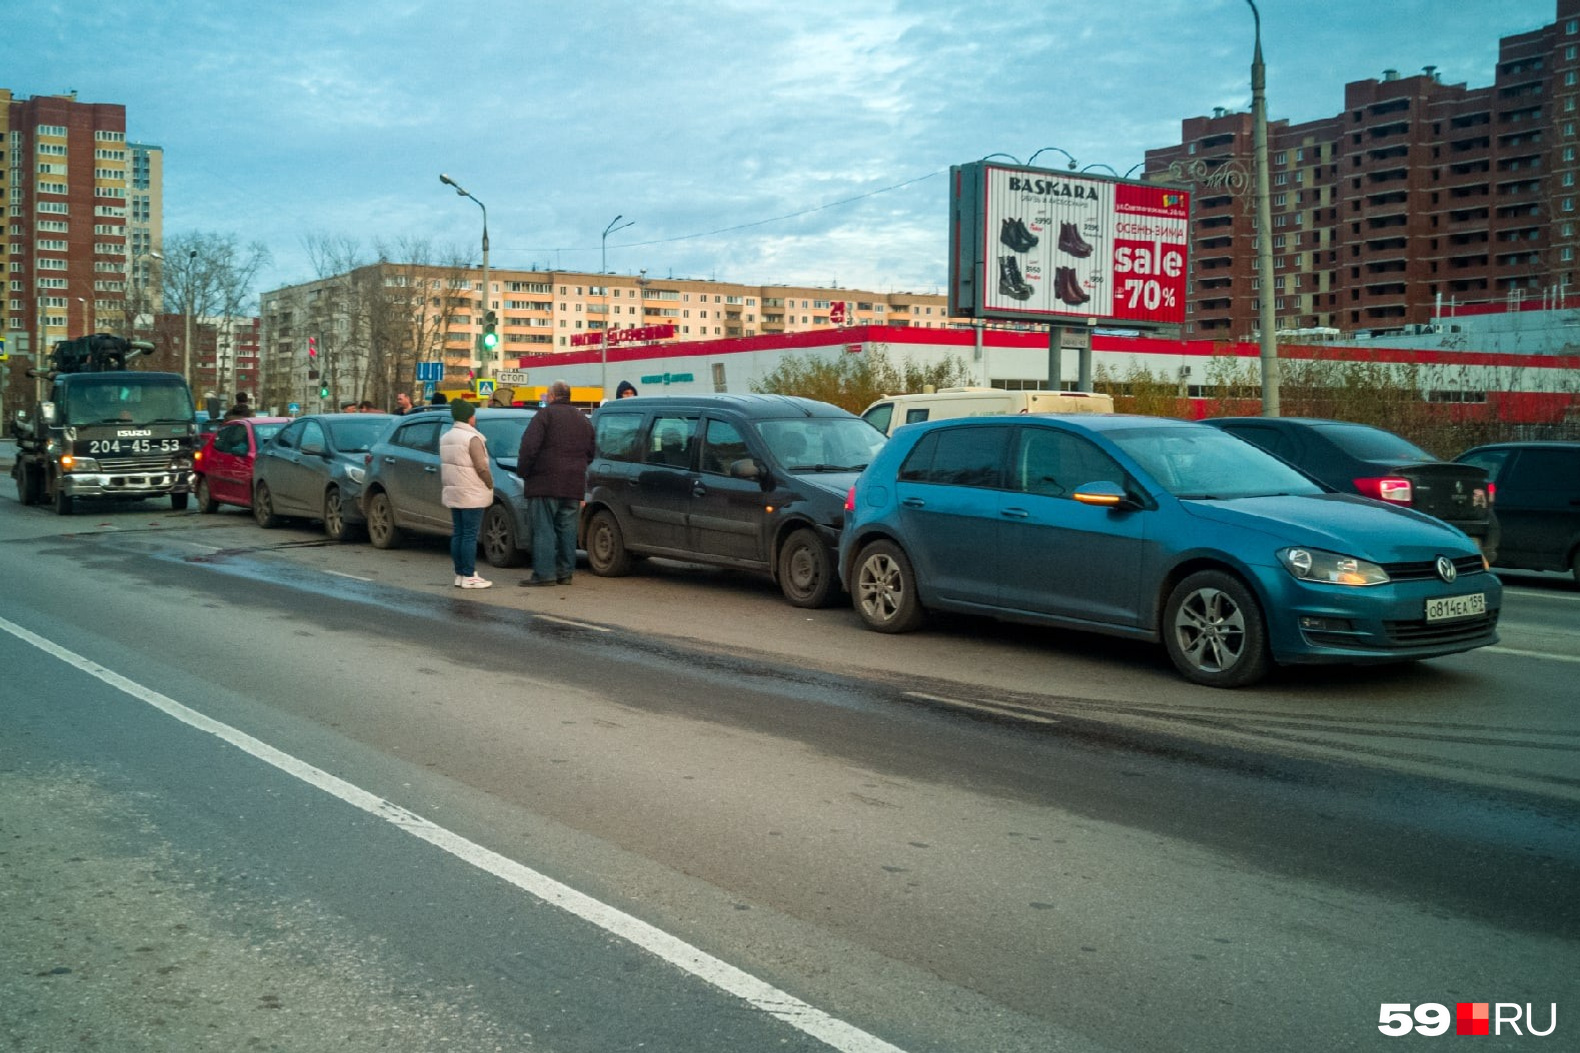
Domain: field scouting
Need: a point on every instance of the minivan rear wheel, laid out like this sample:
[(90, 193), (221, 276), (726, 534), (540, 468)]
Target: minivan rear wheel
[(1212, 627), (806, 570), (606, 554), (885, 589)]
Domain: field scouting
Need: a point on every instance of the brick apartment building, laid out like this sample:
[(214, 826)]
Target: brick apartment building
[(1417, 192), (371, 325)]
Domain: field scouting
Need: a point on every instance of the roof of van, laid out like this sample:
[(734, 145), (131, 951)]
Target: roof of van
[(756, 406)]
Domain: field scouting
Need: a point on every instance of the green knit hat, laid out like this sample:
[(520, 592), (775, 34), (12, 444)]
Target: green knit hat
[(461, 409)]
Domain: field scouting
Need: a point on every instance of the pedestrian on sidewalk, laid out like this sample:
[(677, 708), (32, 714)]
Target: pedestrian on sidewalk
[(552, 462), (468, 489)]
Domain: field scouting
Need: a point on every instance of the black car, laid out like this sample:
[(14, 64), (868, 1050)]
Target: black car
[(1537, 495), (1359, 459), (750, 481)]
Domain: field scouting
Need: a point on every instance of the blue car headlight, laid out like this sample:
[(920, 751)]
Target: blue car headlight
[(355, 474), (1330, 568)]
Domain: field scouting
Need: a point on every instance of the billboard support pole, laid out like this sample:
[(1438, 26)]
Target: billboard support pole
[(1055, 354), (1084, 363)]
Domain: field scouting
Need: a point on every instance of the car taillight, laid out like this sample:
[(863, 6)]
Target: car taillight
[(1387, 488), (850, 500), (1492, 493), (197, 456)]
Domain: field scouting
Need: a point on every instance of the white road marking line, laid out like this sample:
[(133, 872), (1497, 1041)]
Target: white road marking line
[(727, 978), (573, 624), (341, 574), (1533, 654)]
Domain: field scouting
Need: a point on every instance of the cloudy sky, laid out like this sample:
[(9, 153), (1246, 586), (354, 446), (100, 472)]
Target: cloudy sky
[(753, 141)]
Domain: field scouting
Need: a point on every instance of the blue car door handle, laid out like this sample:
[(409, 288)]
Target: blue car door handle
[(914, 502), (1015, 513), (699, 489)]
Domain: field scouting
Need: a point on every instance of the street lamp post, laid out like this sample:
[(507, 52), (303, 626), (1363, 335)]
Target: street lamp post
[(186, 349), (482, 363), (1264, 225), (603, 278)]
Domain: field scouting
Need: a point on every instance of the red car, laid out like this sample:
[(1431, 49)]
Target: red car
[(223, 467)]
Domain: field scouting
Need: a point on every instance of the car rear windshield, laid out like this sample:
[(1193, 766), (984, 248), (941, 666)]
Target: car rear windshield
[(1202, 463), (356, 436), (267, 431), (1372, 444), (827, 444)]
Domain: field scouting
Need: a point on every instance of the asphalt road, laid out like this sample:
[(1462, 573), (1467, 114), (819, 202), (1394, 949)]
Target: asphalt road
[(261, 792)]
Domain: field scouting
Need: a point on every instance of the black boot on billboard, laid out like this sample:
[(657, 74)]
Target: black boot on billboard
[(1014, 235), (1010, 282), (1070, 241)]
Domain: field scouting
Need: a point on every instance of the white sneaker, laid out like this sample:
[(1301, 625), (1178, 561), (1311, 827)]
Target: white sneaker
[(475, 582), (458, 581)]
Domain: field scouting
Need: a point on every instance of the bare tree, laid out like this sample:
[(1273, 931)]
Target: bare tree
[(204, 275)]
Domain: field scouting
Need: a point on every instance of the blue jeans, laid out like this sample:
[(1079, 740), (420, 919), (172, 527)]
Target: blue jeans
[(464, 524), (554, 537)]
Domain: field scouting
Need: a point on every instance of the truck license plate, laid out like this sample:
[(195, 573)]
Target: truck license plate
[(1445, 607)]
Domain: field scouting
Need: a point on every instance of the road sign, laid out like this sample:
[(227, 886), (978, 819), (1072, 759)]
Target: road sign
[(430, 370), (428, 389), (485, 388), (513, 377), (294, 408)]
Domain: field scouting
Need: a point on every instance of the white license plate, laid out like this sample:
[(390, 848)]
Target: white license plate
[(1445, 607)]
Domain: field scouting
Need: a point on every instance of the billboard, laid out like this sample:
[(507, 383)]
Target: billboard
[(1035, 244)]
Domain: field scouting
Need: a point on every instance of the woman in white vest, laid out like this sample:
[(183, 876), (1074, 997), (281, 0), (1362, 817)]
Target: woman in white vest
[(468, 491)]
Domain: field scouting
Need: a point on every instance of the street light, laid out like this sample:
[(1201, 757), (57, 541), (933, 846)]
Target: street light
[(603, 277), (482, 366), (1264, 224), (186, 349)]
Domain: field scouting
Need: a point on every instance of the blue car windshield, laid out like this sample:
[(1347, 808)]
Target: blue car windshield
[(822, 444), (1202, 463)]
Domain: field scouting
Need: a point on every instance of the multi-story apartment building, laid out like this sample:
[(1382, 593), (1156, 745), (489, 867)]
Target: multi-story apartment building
[(144, 230), (371, 326), (1417, 193)]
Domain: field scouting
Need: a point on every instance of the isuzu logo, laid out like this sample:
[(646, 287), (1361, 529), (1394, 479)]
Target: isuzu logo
[(1446, 569)]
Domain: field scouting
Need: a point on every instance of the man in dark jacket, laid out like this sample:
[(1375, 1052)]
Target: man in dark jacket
[(555, 451)]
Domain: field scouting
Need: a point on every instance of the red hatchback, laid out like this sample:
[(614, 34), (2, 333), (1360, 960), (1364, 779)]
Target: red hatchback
[(223, 467)]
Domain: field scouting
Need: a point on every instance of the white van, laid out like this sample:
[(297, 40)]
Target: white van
[(894, 411)]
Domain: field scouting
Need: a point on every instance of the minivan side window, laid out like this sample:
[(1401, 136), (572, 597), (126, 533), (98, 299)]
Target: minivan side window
[(1543, 469), (619, 437), (958, 457), (880, 415), (670, 439), (723, 445)]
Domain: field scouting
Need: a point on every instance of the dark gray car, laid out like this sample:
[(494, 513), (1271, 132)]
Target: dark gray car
[(313, 468), (756, 482), (1537, 497), (402, 493)]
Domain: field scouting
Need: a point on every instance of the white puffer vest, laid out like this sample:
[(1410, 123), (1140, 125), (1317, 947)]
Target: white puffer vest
[(463, 487)]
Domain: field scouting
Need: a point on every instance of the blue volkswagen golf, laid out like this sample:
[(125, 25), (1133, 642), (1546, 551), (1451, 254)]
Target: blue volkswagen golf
[(1156, 529)]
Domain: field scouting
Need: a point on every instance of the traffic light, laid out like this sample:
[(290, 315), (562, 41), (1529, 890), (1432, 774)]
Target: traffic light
[(490, 332), (312, 347), (323, 390)]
